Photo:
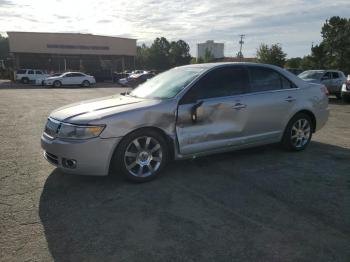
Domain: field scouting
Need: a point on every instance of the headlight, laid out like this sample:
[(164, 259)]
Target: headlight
[(79, 132)]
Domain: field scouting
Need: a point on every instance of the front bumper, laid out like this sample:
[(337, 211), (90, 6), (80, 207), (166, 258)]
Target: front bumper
[(92, 156)]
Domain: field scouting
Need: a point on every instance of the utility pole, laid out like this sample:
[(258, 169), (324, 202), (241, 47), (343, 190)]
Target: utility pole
[(241, 42)]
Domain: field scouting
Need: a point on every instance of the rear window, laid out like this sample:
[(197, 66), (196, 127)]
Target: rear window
[(335, 75), (22, 71), (266, 79)]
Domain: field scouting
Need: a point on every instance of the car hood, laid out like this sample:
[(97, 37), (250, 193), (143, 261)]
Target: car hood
[(92, 111), (311, 80), (53, 78)]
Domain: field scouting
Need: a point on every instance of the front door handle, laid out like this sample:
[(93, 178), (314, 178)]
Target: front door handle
[(290, 99), (239, 106)]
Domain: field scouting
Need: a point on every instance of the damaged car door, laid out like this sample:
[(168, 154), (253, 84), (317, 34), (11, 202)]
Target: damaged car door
[(211, 114)]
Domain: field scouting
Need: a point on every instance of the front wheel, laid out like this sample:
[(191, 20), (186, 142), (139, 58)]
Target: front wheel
[(57, 84), (85, 83), (142, 155), (298, 133)]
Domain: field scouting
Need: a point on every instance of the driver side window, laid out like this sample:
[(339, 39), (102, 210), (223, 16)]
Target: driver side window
[(221, 82)]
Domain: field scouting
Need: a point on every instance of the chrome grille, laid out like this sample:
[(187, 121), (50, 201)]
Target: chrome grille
[(52, 127)]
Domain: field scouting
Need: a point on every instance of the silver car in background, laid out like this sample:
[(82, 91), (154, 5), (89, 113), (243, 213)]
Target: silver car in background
[(185, 112), (332, 79), (69, 79)]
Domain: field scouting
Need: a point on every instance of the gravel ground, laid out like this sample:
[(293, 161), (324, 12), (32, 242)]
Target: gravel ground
[(261, 204)]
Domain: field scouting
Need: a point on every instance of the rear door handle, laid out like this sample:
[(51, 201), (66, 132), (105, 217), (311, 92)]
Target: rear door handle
[(239, 106), (290, 99)]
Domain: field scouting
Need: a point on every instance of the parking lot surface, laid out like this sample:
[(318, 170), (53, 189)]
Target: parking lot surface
[(261, 204)]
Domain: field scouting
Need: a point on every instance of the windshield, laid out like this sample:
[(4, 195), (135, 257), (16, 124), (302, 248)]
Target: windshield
[(311, 75), (167, 84)]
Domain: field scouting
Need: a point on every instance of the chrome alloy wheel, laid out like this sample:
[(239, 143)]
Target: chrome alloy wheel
[(143, 156), (300, 133)]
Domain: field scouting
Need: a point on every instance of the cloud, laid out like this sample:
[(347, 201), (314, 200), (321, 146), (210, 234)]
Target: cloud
[(293, 23), (5, 2)]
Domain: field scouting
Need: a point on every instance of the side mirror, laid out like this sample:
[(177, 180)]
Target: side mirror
[(194, 111)]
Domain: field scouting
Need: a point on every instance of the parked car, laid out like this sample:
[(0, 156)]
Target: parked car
[(70, 78), (135, 79), (185, 112), (345, 91), (27, 76), (332, 79)]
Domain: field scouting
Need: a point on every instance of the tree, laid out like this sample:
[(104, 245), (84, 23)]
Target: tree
[(142, 57), (159, 57), (294, 63), (273, 55), (4, 47), (336, 42), (208, 56), (162, 54), (179, 53)]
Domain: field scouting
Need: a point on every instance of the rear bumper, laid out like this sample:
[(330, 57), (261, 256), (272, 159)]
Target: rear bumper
[(92, 156)]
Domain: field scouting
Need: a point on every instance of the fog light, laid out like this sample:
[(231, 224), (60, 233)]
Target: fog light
[(69, 163)]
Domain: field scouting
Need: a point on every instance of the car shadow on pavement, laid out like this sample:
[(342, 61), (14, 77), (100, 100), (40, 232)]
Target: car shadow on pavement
[(258, 204)]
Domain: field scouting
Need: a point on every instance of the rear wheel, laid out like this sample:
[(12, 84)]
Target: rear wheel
[(298, 133), (57, 84), (85, 83), (142, 155), (25, 80)]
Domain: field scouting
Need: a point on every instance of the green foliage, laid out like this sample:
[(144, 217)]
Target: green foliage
[(273, 55), (294, 63), (162, 54), (336, 43), (4, 47), (208, 56), (334, 50)]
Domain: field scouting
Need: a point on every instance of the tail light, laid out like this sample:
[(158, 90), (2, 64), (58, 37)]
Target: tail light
[(325, 90)]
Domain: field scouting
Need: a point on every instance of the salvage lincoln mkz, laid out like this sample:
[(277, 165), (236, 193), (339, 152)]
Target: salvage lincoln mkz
[(185, 112)]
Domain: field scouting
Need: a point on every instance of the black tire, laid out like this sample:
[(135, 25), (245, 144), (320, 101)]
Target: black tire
[(346, 99), (290, 136), (25, 80), (57, 84), (120, 158), (338, 96), (85, 83)]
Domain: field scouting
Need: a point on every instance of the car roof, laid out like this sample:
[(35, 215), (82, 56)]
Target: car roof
[(210, 66)]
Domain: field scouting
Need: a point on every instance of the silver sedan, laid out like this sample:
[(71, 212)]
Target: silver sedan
[(186, 112)]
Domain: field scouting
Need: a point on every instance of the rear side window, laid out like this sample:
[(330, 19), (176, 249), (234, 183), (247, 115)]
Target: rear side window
[(31, 72), (221, 82), (21, 71), (266, 79), (335, 75), (77, 75)]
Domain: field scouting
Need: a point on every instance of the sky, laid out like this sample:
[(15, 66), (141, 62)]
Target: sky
[(294, 24)]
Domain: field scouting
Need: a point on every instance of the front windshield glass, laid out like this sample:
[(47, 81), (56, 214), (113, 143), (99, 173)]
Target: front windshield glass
[(167, 84), (311, 75)]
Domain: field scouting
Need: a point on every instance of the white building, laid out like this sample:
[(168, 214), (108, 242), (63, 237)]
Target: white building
[(217, 49)]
